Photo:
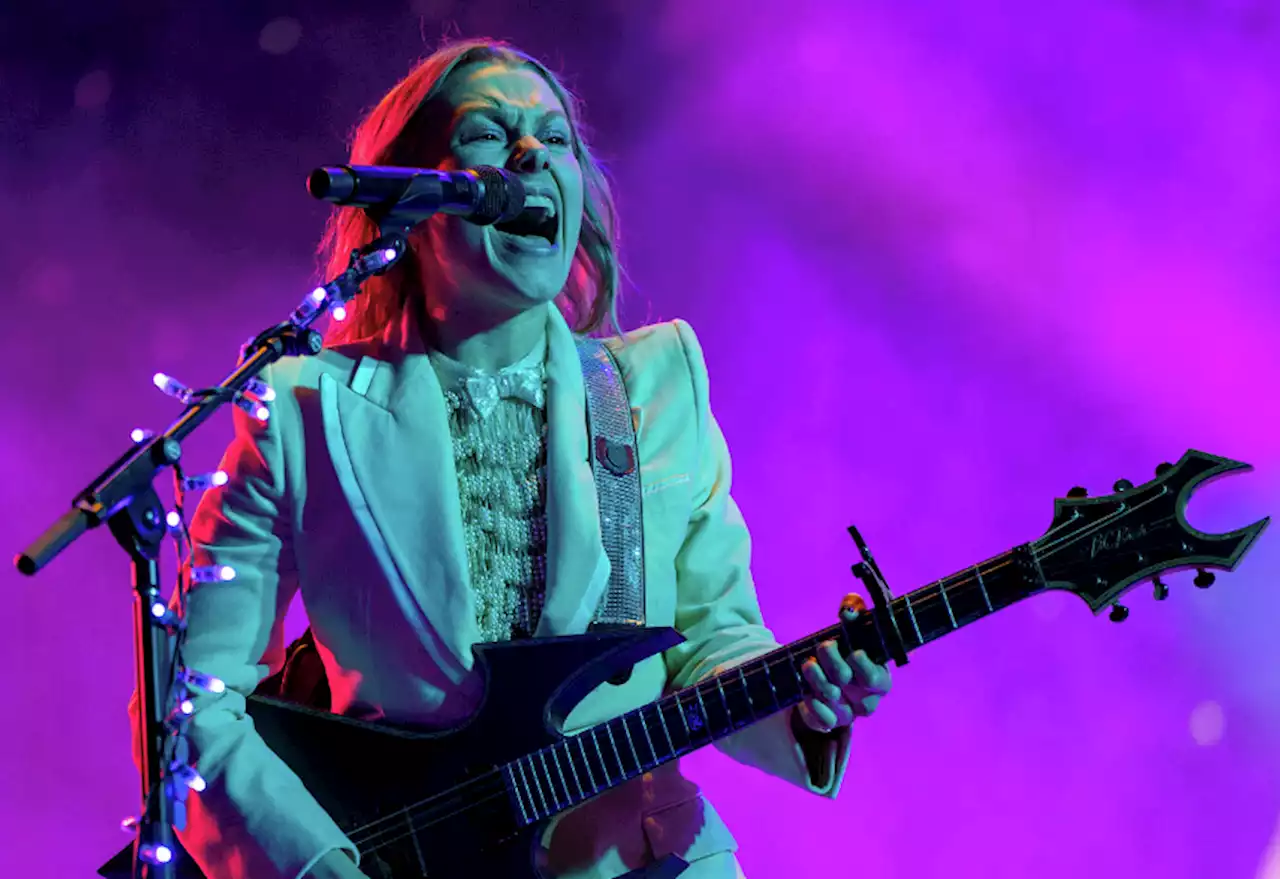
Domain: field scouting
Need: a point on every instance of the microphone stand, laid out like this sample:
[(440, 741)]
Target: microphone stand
[(124, 497)]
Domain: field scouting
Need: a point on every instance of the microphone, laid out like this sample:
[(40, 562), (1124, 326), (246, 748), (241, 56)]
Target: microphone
[(482, 195)]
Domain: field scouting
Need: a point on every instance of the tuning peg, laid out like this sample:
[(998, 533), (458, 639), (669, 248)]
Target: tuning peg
[(1161, 590), (1122, 485), (1077, 492), (1163, 468), (1119, 613), (1204, 579)]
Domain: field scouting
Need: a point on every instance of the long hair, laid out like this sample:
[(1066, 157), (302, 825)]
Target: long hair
[(403, 130)]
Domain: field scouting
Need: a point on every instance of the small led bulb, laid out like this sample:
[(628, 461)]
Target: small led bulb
[(204, 481), (140, 434), (260, 389), (212, 573), (155, 854), (308, 307), (252, 407), (172, 387), (339, 313), (173, 519), (202, 681), (188, 776)]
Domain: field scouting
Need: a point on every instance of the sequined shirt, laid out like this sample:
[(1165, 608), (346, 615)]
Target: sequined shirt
[(501, 461)]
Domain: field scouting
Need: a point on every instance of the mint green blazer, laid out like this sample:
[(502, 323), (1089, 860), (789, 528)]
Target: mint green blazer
[(348, 495)]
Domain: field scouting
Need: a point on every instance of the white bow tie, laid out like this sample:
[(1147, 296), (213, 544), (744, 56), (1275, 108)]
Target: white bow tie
[(485, 391)]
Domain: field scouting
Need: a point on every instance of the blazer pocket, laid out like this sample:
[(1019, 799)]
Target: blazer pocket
[(690, 829)]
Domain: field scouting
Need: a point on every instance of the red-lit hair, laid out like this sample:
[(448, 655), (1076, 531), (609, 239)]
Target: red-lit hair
[(399, 131)]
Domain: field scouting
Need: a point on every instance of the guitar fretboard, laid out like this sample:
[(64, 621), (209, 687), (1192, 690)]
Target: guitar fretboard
[(601, 757)]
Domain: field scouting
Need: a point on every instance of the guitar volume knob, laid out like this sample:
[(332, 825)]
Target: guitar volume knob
[(1204, 579)]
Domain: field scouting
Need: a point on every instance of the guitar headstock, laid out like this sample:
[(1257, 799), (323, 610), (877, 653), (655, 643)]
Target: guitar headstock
[(1101, 547)]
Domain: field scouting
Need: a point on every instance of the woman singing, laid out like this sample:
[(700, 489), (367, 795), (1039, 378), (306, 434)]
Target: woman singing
[(425, 482)]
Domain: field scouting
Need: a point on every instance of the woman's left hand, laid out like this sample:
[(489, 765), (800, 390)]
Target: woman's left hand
[(839, 691)]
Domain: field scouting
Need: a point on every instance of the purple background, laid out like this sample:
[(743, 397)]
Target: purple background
[(947, 259)]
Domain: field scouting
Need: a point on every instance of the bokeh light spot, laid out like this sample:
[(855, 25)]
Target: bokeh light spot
[(1207, 723), (93, 89), (280, 36)]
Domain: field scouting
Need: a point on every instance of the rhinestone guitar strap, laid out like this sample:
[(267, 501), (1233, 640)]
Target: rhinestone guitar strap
[(615, 464)]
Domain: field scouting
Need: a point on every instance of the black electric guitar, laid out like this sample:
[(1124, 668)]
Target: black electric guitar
[(472, 801)]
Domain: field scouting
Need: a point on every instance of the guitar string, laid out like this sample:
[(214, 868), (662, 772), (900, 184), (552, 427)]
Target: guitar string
[(925, 603), (425, 813)]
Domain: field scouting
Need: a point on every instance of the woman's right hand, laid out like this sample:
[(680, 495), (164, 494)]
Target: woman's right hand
[(336, 864)]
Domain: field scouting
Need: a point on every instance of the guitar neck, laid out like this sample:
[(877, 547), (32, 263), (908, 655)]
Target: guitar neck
[(601, 757)]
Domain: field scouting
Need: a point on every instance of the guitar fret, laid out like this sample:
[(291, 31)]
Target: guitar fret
[(769, 680), (977, 569), (512, 773), (417, 849), (906, 599), (568, 758), (666, 731), (537, 786), (794, 679), (946, 602), (702, 709), (604, 767), (1036, 558), (622, 767), (747, 691), (728, 713), (586, 765), (631, 743), (644, 728), (555, 801)]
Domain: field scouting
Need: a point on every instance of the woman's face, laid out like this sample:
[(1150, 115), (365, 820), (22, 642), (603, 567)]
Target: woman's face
[(510, 118)]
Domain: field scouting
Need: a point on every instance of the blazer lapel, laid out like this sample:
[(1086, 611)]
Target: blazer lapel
[(577, 566), (391, 449)]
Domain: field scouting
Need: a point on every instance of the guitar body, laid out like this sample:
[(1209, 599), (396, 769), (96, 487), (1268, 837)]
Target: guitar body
[(371, 772)]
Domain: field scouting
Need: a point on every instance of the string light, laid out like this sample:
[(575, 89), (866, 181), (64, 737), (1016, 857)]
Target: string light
[(339, 313), (140, 434)]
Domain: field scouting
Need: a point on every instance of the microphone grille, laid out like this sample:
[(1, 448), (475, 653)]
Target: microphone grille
[(502, 196)]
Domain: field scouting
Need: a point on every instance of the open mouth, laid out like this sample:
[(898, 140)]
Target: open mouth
[(538, 220)]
